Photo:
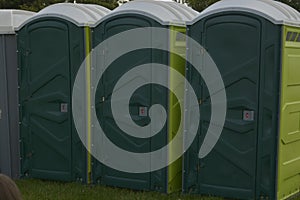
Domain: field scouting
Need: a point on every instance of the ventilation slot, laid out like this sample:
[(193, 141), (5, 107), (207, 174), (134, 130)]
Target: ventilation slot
[(293, 36)]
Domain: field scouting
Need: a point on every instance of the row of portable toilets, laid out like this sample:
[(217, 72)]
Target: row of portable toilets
[(255, 45)]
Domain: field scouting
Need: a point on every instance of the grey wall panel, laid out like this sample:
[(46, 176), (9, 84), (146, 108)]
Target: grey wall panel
[(12, 80), (9, 130), (5, 162)]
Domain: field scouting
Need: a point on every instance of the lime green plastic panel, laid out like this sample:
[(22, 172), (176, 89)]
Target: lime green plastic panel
[(178, 45), (289, 141), (87, 37)]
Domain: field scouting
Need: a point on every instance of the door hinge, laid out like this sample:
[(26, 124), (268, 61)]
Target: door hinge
[(198, 168), (27, 52)]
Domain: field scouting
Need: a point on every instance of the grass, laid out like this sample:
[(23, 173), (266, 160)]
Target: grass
[(48, 190)]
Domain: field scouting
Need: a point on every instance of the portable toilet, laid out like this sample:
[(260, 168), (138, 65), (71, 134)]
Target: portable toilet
[(136, 15), (9, 117), (51, 47), (256, 46)]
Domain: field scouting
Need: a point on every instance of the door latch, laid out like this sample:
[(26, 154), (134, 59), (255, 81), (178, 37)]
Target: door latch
[(248, 115), (143, 111), (64, 107)]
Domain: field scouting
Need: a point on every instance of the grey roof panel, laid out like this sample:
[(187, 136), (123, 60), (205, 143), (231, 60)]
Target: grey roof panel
[(79, 14), (10, 19), (97, 9), (165, 12), (274, 11)]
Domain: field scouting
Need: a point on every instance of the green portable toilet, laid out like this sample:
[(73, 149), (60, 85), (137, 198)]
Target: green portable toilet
[(51, 47), (9, 117), (256, 46), (141, 14)]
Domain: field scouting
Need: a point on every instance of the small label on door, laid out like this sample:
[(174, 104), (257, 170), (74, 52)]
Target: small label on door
[(64, 107), (248, 115), (143, 111)]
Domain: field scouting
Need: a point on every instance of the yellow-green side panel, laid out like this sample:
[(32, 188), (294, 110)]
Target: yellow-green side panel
[(289, 135), (87, 35), (178, 45)]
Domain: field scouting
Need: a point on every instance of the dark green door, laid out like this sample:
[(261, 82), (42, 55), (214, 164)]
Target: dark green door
[(115, 71), (233, 41), (143, 98), (45, 101)]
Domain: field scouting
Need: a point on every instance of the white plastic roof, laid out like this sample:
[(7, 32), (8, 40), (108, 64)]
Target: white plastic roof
[(10, 19), (274, 11), (165, 12), (79, 14)]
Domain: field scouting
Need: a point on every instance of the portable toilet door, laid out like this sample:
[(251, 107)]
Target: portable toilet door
[(257, 154), (9, 117), (134, 15), (51, 46)]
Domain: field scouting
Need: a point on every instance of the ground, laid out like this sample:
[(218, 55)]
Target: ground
[(47, 190)]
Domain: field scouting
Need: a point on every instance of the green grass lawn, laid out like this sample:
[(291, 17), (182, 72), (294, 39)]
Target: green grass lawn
[(47, 190)]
